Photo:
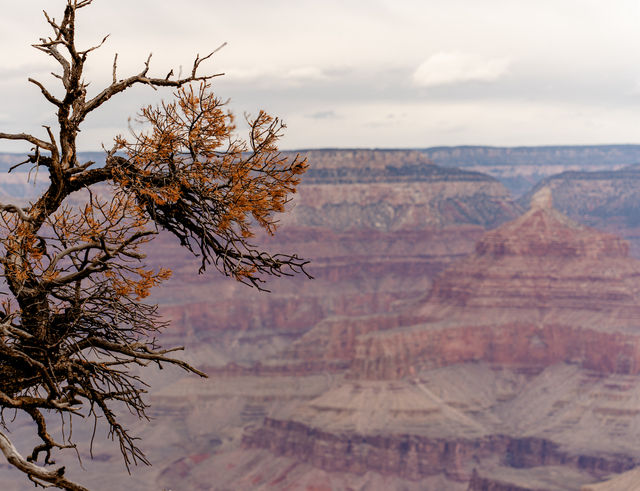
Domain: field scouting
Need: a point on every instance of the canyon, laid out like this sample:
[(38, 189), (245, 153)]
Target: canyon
[(454, 337), (510, 370)]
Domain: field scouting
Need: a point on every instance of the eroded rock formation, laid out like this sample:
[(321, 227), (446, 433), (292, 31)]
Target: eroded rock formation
[(376, 235), (522, 359), (539, 290)]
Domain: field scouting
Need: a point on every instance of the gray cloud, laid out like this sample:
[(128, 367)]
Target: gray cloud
[(445, 68), (324, 115), (462, 71)]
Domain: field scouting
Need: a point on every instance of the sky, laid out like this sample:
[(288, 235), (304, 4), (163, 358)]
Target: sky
[(356, 73)]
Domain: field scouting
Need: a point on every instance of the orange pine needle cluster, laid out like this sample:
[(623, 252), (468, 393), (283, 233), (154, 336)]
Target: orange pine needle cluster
[(191, 143)]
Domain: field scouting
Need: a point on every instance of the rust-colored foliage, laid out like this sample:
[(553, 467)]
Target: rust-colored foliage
[(74, 322), (190, 160)]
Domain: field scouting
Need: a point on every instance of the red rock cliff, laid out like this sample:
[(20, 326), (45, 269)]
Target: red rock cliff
[(536, 291)]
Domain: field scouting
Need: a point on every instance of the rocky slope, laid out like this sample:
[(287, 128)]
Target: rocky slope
[(627, 481), (513, 368), (608, 200), (572, 425), (518, 168), (525, 297), (376, 236)]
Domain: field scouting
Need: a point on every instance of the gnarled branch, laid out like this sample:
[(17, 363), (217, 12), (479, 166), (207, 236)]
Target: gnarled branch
[(35, 472), (26, 137)]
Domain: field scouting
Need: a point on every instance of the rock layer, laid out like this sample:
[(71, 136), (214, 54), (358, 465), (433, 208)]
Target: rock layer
[(537, 291), (376, 236), (608, 200)]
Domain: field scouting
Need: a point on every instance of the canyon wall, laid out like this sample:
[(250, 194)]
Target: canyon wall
[(376, 236), (414, 457), (542, 299)]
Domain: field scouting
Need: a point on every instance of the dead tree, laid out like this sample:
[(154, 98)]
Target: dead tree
[(73, 323)]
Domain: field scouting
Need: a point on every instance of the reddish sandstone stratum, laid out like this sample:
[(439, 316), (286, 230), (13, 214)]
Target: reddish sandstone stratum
[(537, 291)]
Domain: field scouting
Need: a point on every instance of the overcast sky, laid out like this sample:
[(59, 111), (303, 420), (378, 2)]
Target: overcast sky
[(359, 73)]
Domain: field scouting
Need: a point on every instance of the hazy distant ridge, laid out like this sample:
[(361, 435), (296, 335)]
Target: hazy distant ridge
[(585, 155), (518, 168), (472, 155), (459, 156)]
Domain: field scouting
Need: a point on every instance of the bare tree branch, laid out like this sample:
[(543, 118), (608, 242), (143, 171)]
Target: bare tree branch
[(26, 137), (46, 93), (54, 476), (21, 212), (141, 78)]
